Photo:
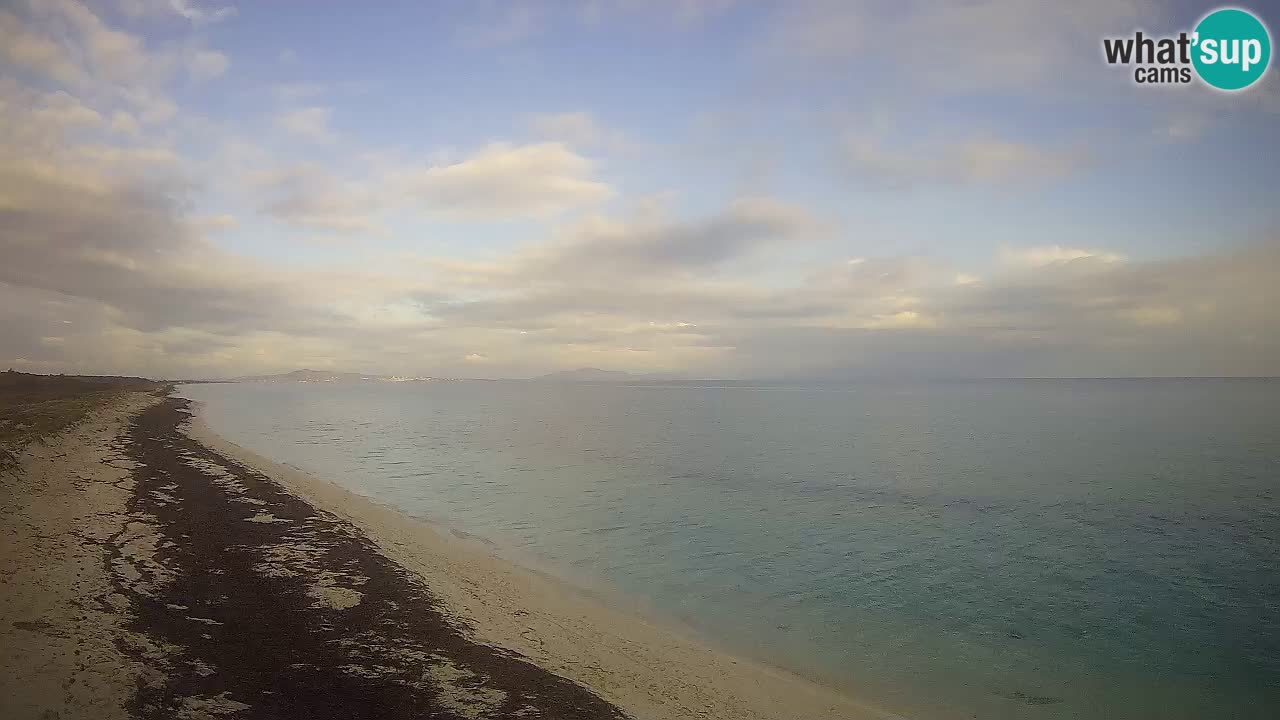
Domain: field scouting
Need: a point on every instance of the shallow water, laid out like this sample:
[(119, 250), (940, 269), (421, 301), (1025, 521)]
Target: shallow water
[(995, 549)]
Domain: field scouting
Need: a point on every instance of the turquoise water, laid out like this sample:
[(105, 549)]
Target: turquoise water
[(995, 549)]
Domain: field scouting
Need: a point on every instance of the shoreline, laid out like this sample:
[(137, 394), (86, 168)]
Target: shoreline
[(650, 670), (148, 577), (156, 570)]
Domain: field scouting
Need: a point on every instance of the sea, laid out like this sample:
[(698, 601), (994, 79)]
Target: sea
[(953, 549)]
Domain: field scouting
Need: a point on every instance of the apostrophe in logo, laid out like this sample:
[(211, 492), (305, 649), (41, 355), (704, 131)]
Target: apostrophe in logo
[(1229, 49), (1232, 49)]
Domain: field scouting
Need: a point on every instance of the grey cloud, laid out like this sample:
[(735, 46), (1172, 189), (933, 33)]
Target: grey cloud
[(122, 246), (1190, 316), (106, 237), (1060, 311), (875, 160), (783, 310), (308, 196), (497, 24), (103, 270), (1223, 293), (694, 247), (851, 353), (118, 261), (982, 46), (611, 272), (140, 291)]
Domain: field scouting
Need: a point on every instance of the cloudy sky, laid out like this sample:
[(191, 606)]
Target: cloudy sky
[(716, 188)]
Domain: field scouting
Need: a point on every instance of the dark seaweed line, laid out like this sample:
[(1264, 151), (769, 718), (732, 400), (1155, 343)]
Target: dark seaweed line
[(239, 614)]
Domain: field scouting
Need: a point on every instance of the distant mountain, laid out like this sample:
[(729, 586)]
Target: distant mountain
[(580, 375), (324, 376), (596, 375), (588, 375), (302, 376)]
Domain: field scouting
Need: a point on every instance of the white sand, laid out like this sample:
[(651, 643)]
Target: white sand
[(650, 671)]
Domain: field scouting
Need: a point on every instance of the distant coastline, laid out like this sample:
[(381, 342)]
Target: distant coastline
[(598, 376)]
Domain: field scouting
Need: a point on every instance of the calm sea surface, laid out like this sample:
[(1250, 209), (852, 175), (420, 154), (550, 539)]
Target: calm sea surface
[(995, 549)]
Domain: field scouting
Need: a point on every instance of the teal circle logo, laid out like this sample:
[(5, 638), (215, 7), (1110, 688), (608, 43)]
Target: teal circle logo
[(1231, 49)]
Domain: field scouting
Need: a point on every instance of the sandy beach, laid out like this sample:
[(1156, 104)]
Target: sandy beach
[(67, 646), (158, 570)]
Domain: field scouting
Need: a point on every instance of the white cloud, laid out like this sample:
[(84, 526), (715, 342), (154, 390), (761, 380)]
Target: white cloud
[(582, 130), (24, 47), (123, 123), (504, 181), (196, 12), (65, 41), (207, 64), (575, 128), (110, 55), (1041, 256), (1182, 128), (108, 68), (67, 111), (293, 92), (151, 107), (308, 123), (216, 222)]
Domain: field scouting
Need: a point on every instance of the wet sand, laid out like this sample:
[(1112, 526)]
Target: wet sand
[(160, 571)]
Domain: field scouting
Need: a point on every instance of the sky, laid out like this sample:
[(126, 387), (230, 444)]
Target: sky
[(739, 189)]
